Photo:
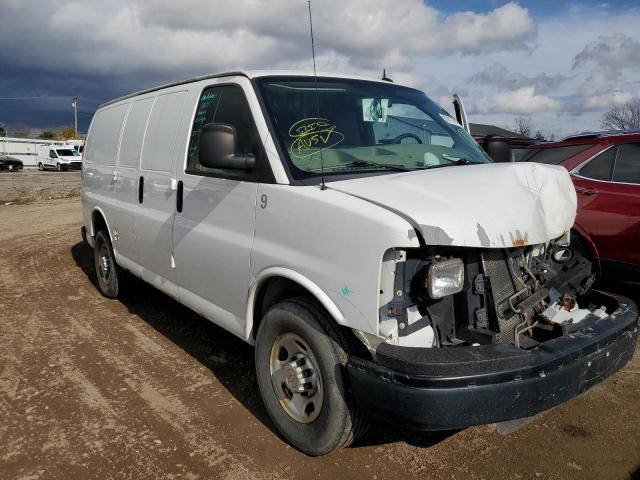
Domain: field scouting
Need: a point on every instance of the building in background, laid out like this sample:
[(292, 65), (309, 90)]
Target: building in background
[(519, 143)]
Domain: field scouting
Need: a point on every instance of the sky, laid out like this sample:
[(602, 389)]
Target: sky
[(562, 64)]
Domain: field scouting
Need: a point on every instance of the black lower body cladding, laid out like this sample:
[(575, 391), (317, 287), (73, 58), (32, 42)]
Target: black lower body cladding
[(455, 387)]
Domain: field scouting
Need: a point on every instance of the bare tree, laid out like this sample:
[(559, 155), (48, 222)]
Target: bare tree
[(523, 126), (624, 117)]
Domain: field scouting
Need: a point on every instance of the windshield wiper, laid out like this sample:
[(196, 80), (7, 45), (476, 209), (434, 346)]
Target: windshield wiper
[(461, 161), (366, 164)]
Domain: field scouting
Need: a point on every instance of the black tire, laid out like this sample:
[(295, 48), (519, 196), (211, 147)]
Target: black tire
[(40, 167), (58, 167), (339, 421), (109, 274)]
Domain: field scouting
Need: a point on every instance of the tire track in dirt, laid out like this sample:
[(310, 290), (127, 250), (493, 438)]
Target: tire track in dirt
[(89, 396)]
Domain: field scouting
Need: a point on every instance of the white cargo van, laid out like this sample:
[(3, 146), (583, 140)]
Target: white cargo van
[(357, 235), (58, 157)]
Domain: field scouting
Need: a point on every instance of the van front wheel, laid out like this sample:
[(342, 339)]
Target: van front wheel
[(300, 366), (107, 270)]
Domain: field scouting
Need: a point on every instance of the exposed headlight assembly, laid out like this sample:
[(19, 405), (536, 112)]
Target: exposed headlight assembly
[(445, 277)]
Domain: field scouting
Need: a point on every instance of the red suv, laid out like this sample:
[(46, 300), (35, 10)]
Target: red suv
[(605, 169)]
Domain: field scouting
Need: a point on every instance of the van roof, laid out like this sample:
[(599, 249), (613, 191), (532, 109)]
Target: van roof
[(248, 74)]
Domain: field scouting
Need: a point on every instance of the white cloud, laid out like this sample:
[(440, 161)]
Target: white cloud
[(502, 61), (508, 26), (605, 101), (521, 101), (603, 89), (497, 75), (617, 51), (201, 35)]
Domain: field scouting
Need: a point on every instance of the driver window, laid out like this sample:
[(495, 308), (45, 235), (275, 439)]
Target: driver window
[(223, 104), (52, 154)]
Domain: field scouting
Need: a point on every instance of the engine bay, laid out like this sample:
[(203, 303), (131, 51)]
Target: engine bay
[(453, 296)]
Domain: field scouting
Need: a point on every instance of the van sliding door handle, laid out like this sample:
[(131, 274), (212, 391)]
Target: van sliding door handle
[(179, 196), (140, 189)]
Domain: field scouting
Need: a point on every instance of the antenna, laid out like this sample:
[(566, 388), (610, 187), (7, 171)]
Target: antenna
[(384, 76), (315, 84)]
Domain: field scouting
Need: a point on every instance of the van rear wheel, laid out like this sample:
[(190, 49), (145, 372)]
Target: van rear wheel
[(300, 365), (108, 273), (40, 167)]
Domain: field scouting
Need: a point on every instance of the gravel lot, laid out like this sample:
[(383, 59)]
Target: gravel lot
[(145, 388), (30, 185)]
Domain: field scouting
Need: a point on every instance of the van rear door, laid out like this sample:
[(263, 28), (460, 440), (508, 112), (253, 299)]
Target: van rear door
[(164, 141), (100, 159)]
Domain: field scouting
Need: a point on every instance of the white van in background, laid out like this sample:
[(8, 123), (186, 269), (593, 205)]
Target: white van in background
[(357, 235), (58, 157)]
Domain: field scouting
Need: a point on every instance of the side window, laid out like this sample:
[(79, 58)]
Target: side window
[(600, 167), (52, 154), (627, 168), (223, 104)]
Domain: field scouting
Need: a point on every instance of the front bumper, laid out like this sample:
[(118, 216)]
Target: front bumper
[(446, 388), (73, 166)]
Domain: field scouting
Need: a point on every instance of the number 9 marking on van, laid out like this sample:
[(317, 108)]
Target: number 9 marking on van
[(263, 201)]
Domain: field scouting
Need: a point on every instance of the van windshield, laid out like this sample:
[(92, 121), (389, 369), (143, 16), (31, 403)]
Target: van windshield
[(360, 126), (63, 152)]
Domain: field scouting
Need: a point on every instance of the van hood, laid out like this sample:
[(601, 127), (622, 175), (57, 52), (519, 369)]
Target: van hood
[(490, 205)]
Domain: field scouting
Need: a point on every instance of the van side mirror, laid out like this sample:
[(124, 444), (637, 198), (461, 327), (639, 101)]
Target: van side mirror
[(217, 148), (498, 149)]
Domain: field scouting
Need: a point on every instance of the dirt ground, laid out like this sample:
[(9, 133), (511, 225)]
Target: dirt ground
[(30, 185), (145, 388)]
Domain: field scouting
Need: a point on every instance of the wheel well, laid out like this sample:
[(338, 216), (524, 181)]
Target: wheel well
[(271, 292), (277, 289), (99, 223)]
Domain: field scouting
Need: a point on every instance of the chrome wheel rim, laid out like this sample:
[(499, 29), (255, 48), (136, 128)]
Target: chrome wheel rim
[(104, 264), (296, 378)]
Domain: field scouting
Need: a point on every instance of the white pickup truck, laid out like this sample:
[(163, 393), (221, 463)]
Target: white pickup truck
[(58, 157), (354, 232)]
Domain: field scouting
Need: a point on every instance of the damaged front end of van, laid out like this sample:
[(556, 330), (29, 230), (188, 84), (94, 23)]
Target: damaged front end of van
[(493, 318)]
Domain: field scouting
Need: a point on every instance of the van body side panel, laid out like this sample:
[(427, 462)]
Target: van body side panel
[(126, 186), (100, 159), (333, 239), (158, 162)]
